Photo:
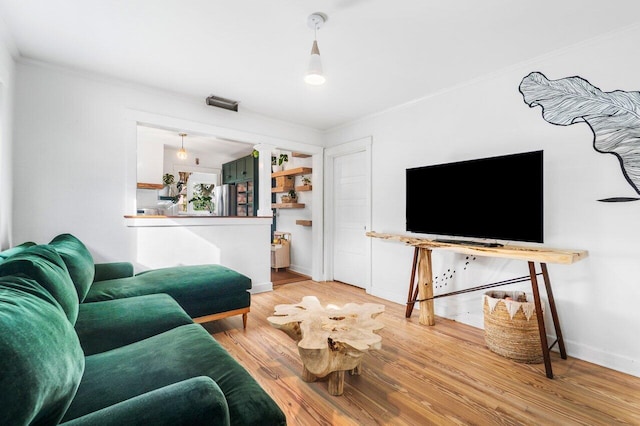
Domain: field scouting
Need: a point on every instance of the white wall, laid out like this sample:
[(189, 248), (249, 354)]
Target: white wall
[(7, 71), (75, 150), (597, 298)]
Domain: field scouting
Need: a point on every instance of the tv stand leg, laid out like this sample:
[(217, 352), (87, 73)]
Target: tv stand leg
[(413, 294), (554, 311), (425, 287), (540, 317)]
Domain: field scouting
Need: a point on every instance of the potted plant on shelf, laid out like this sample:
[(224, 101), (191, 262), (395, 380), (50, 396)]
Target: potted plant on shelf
[(290, 197), (306, 181), (283, 160), (278, 163), (167, 180)]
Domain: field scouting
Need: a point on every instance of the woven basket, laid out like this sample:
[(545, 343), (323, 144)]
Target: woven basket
[(285, 182), (511, 327)]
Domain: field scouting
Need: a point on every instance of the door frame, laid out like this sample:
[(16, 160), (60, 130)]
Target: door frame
[(359, 145)]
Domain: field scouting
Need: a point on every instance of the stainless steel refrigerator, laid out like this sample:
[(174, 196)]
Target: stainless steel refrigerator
[(224, 200)]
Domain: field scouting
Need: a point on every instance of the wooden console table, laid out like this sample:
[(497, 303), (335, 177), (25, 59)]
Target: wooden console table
[(423, 293)]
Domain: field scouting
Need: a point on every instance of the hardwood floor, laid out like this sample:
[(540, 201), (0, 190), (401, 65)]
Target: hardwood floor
[(286, 276), (439, 375)]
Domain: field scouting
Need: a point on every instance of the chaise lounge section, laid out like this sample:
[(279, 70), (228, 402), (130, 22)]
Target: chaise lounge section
[(206, 292)]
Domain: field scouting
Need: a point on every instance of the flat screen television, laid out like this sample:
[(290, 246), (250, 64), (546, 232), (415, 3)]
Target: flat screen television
[(492, 198)]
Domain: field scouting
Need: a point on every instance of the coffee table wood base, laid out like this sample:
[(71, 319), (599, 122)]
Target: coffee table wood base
[(335, 385), (331, 340)]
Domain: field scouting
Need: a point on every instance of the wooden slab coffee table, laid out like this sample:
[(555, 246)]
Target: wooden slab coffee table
[(331, 340)]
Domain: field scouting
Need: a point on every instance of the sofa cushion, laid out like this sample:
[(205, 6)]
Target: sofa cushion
[(103, 326), (79, 262), (41, 361), (175, 355), (16, 249), (200, 289), (43, 264), (191, 402)]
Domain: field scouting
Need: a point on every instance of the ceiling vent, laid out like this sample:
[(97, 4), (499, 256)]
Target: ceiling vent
[(219, 102)]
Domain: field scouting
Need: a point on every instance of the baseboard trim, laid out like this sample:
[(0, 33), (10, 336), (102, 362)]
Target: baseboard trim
[(261, 287)]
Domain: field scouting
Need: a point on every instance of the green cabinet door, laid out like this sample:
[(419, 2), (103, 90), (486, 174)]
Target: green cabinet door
[(250, 167), (229, 172), (244, 173)]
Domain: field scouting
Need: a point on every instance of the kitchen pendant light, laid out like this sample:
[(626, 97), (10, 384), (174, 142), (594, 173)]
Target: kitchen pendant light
[(182, 153), (315, 76)]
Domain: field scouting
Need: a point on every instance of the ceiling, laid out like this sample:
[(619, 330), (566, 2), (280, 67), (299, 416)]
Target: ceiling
[(195, 144), (376, 54)]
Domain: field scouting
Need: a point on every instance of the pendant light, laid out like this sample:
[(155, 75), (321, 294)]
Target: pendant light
[(182, 153), (315, 76)]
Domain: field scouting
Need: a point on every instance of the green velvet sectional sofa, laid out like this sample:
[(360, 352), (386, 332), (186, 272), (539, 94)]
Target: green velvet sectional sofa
[(135, 358)]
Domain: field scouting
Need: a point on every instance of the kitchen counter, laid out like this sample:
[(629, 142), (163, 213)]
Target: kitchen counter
[(239, 242), (194, 220)]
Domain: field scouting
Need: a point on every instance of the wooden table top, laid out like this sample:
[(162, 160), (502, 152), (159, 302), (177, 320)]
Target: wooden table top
[(528, 253)]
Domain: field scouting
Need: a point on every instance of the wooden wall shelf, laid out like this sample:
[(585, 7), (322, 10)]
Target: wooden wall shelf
[(300, 188), (290, 172), (287, 206), (293, 172), (281, 189), (142, 185), (303, 222)]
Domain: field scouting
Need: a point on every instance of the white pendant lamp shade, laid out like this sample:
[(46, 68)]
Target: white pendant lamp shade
[(314, 75), (314, 72), (182, 153)]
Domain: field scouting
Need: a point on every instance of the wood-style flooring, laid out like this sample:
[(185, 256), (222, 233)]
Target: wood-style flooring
[(286, 276), (438, 375)]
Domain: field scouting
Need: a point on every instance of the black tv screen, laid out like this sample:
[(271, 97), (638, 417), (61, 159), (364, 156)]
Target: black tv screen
[(494, 198)]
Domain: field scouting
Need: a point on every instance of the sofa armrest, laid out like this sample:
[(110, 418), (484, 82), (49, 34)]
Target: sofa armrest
[(195, 401), (112, 271)]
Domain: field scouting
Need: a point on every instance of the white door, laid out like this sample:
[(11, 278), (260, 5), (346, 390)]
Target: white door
[(351, 217)]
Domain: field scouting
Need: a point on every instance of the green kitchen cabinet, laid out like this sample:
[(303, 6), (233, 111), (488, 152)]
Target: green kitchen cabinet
[(243, 172)]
